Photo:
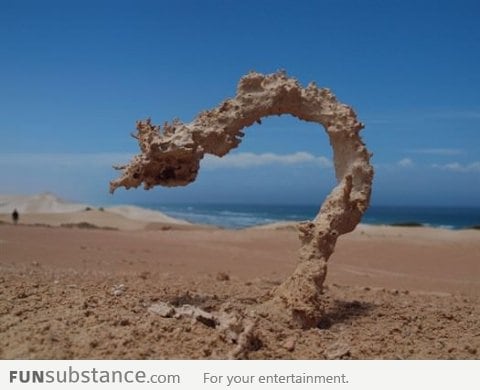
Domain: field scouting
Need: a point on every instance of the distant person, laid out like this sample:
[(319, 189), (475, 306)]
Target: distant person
[(15, 216)]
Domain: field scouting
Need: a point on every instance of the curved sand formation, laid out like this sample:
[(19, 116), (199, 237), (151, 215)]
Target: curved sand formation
[(171, 154)]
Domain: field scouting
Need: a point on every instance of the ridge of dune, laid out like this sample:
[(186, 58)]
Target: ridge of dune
[(144, 214), (39, 203)]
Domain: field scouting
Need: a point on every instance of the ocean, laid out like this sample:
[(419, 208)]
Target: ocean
[(237, 216)]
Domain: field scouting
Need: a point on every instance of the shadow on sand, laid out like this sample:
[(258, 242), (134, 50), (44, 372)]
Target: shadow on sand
[(340, 311)]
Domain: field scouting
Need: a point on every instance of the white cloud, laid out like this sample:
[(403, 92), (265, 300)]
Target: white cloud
[(405, 163), (438, 151), (457, 167), (247, 160), (238, 160)]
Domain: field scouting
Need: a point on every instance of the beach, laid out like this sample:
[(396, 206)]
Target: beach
[(80, 283)]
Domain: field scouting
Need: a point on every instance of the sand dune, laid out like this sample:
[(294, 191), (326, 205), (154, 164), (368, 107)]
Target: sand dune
[(47, 209), (41, 203)]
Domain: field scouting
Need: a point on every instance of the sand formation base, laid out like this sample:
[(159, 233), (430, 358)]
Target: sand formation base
[(171, 154)]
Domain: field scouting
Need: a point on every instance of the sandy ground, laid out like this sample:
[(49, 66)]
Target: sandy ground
[(73, 292)]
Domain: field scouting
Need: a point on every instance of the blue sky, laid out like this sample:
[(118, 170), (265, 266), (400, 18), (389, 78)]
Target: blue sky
[(75, 76)]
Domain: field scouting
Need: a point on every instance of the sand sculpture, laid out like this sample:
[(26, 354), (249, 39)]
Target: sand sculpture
[(171, 154)]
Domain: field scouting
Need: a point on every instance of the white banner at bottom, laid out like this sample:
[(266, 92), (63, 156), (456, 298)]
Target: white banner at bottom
[(238, 375)]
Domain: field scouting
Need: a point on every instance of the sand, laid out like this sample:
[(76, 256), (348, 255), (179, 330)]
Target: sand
[(48, 209), (85, 292)]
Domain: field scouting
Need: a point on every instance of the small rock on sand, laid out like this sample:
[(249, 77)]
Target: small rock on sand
[(289, 344), (337, 351), (162, 309), (118, 290)]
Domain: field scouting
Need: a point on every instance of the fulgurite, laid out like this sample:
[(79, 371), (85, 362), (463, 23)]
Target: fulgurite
[(170, 156)]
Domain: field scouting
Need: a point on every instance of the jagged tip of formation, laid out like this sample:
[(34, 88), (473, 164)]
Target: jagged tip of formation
[(170, 156)]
